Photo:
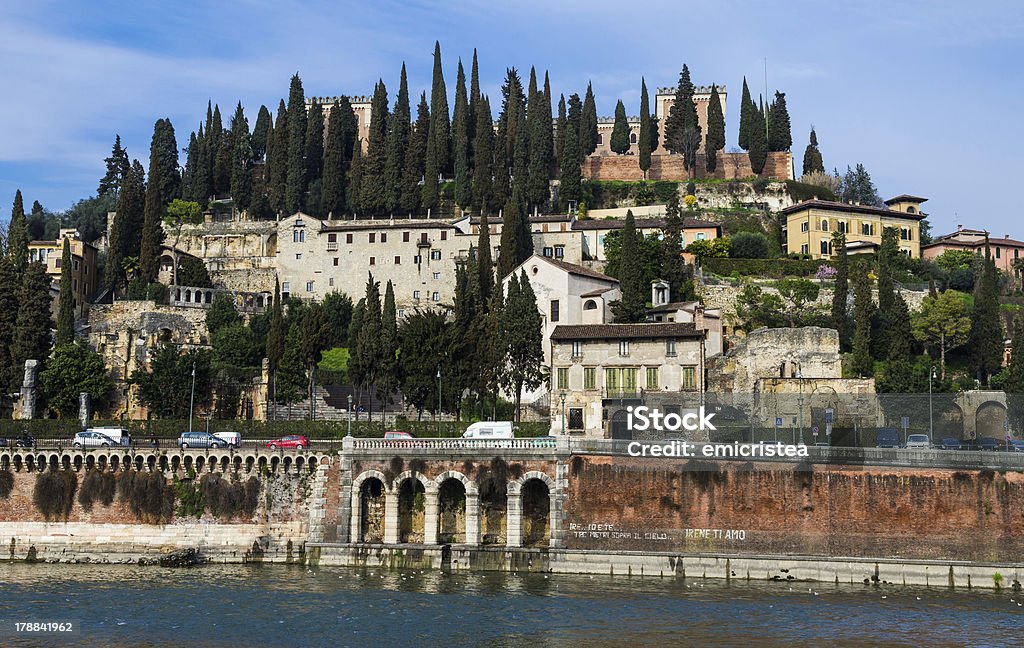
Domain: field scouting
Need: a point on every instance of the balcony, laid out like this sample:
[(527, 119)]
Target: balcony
[(423, 243), (623, 393), (332, 246)]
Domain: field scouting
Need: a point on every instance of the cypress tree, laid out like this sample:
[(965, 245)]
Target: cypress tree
[(673, 266), (513, 108), (758, 142), (439, 138), (520, 165), (512, 220), (840, 294), (588, 124), (682, 128), (66, 302), (241, 167), (899, 332), (780, 138), (397, 145), (17, 234), (126, 230), (334, 165), (474, 108), (118, 166), (216, 163), (153, 214), (633, 305), (223, 157), (460, 142), (314, 146), (620, 131), (539, 117), (986, 337), (190, 185), (569, 166), (202, 177), (277, 161), (644, 141), (483, 157), (296, 179), (10, 290), (276, 334), (560, 127), (549, 137), (260, 130), (387, 381), (367, 351), (372, 194), (715, 139), (523, 332), (167, 159), (415, 160), (812, 156), (863, 307), (355, 179), (484, 264), (746, 115), (34, 320)]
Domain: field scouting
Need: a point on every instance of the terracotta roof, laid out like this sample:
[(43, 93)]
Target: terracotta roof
[(672, 306), (540, 218), (905, 198), (644, 223), (853, 209), (397, 224), (572, 268), (951, 242), (621, 331)]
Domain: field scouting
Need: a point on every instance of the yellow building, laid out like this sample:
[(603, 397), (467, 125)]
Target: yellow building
[(811, 223), (83, 271)]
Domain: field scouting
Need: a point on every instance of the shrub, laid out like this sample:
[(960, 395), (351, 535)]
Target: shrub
[(227, 499), (6, 483), (817, 188), (190, 499), (54, 494), (770, 268), (97, 486), (665, 189), (158, 293), (749, 245), (148, 495)]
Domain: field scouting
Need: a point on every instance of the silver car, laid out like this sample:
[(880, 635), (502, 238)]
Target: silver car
[(89, 439)]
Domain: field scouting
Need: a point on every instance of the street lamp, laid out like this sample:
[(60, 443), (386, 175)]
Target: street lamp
[(192, 398), (561, 396), (931, 424), (350, 416), (439, 400), (800, 401)]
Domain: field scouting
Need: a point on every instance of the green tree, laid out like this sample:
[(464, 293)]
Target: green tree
[(799, 296), (166, 388), (66, 312), (241, 166), (620, 131), (758, 141), (746, 117), (483, 157), (126, 230), (277, 161), (164, 152), (484, 264), (461, 143), (34, 321), (176, 215), (540, 144), (314, 157), (812, 156), (9, 293), (717, 248), (944, 323), (857, 187), (17, 235), (1014, 383), (424, 339), (192, 272), (986, 336), (222, 313), (840, 294), (632, 307), (337, 318), (333, 187), (644, 142), (296, 167), (234, 348), (682, 128), (74, 369), (118, 166), (522, 329), (397, 146), (570, 174), (439, 137), (364, 367), (372, 193), (673, 267), (863, 308), (275, 338), (260, 131), (749, 245), (780, 138), (714, 141), (153, 210), (388, 380), (415, 159), (587, 132)]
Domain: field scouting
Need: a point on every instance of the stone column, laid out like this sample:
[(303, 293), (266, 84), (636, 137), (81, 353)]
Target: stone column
[(472, 519), (556, 522), (318, 505), (348, 502), (27, 402), (84, 408), (355, 521), (514, 519), (430, 515), (391, 516)]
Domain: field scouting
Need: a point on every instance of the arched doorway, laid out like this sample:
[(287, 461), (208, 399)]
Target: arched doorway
[(536, 498), (990, 421), (619, 425), (371, 509), (411, 510), (493, 508), (451, 505)]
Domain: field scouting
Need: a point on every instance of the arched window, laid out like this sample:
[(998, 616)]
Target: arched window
[(632, 138), (911, 210), (824, 225), (590, 304)]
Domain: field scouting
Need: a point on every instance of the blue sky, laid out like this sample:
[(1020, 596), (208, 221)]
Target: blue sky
[(923, 92)]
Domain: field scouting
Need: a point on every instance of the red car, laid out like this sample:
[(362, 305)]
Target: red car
[(397, 435), (296, 441)]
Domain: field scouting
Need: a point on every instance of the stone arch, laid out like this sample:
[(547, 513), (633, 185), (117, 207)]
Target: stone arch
[(163, 463), (454, 492), (410, 488), (250, 461), (531, 515), (989, 420), (312, 466), (298, 464), (78, 462), (187, 463), (287, 465), (237, 463), (115, 462), (54, 460), (151, 463), (274, 461), (65, 462), (225, 462), (140, 462), (17, 463), (200, 462), (175, 463), (493, 503), (261, 464), (369, 503), (5, 462)]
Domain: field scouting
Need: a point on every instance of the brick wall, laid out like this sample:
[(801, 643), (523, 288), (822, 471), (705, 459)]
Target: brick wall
[(731, 166)]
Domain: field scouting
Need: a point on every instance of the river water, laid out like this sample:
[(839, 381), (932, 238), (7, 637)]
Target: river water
[(272, 605)]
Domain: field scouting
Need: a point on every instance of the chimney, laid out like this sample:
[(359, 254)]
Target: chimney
[(698, 317), (959, 227)]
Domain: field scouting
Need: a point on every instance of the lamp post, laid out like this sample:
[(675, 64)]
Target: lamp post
[(439, 401), (931, 424), (349, 415), (800, 401), (561, 396), (192, 398)]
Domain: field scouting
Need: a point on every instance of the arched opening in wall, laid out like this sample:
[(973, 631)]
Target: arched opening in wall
[(163, 464), (371, 505), (90, 463), (175, 464), (65, 462), (139, 462), (78, 462), (41, 462), (187, 464), (237, 463), (30, 463), (224, 463), (272, 245), (250, 461), (451, 508), (590, 304), (620, 425), (17, 463), (54, 462), (273, 464), (5, 462), (990, 421), (493, 508), (312, 468), (536, 509), (287, 465), (200, 462), (262, 465), (114, 462), (151, 463), (298, 464), (412, 500)]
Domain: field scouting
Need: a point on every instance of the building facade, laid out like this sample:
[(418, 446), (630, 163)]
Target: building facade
[(1004, 251), (84, 280), (664, 99), (811, 224)]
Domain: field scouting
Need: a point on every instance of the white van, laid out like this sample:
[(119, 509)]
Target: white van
[(118, 435), (489, 430), (233, 439)]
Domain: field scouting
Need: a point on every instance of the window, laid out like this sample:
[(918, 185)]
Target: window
[(632, 138), (867, 229), (332, 238), (295, 235), (298, 256), (554, 310), (623, 347), (563, 378), (309, 286), (804, 227), (437, 275), (689, 378), (843, 227), (373, 237), (383, 237), (824, 224), (405, 237), (997, 252), (906, 234), (559, 251), (76, 262), (1016, 255), (56, 262), (629, 379), (435, 255), (577, 349), (401, 312), (335, 261), (286, 287), (670, 347), (611, 379), (417, 259), (826, 247), (373, 260), (652, 378), (437, 296), (348, 238), (590, 304), (398, 260), (702, 236), (911, 210), (548, 252), (330, 282), (804, 249), (575, 418), (600, 139), (415, 294), (589, 378), (444, 235)]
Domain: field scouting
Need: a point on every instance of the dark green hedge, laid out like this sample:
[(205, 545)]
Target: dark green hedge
[(800, 191), (768, 268)]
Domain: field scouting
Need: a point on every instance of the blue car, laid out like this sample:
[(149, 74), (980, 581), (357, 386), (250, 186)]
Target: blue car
[(950, 443), (988, 443), (200, 440), (1015, 445)]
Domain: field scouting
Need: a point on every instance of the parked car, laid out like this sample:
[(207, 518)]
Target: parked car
[(91, 439), (233, 439), (1015, 445), (489, 430), (988, 443), (887, 438), (296, 441), (119, 436), (200, 440), (950, 443), (918, 441), (397, 435), (26, 440)]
